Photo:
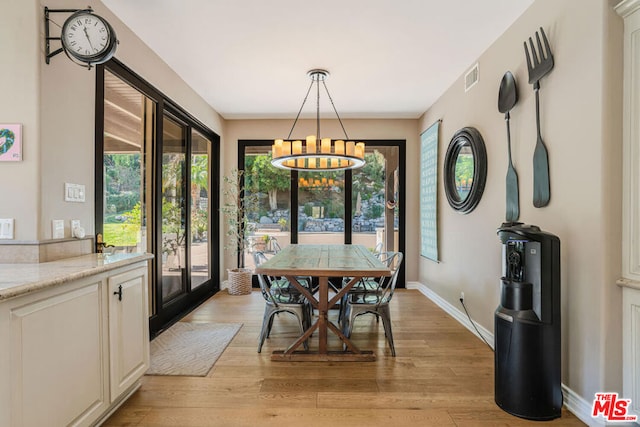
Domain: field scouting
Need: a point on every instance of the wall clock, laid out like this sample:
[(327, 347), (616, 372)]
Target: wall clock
[(88, 38)]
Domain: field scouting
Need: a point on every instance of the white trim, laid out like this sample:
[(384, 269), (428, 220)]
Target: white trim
[(630, 10), (627, 7), (574, 403), (630, 347), (581, 408)]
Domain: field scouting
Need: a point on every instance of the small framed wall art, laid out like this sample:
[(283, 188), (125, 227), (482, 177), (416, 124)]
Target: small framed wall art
[(10, 143)]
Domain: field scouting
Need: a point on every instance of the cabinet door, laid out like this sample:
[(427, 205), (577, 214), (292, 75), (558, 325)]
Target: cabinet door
[(57, 363), (631, 347), (128, 329)]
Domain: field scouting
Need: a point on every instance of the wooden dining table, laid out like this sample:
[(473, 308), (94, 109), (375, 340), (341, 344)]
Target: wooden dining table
[(324, 262)]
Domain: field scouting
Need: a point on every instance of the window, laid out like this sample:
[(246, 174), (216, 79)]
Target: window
[(364, 206)]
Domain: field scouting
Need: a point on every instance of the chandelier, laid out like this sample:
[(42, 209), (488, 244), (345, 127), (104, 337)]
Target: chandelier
[(316, 153)]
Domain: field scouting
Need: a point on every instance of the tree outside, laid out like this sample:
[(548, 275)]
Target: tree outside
[(320, 194)]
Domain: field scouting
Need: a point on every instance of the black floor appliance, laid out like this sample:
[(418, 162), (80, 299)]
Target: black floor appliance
[(527, 324)]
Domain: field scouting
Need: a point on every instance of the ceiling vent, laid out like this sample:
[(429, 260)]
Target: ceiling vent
[(471, 78)]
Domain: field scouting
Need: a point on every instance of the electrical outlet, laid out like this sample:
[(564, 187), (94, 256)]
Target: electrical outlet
[(6, 228), (57, 229), (462, 296)]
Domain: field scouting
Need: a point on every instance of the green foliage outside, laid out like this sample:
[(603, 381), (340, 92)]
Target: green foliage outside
[(375, 211), (123, 214), (122, 199), (308, 209), (121, 234), (370, 180), (464, 174), (262, 178)]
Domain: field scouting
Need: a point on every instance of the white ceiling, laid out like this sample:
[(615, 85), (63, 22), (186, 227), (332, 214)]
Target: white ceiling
[(387, 58)]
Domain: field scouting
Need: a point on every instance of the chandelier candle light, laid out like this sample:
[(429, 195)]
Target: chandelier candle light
[(325, 156)]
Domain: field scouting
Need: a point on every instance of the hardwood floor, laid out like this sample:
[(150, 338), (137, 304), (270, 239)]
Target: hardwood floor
[(442, 376)]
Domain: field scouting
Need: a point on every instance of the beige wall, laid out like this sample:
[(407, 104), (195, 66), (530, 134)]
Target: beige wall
[(581, 126), (20, 86), (56, 105), (356, 129), (581, 114)]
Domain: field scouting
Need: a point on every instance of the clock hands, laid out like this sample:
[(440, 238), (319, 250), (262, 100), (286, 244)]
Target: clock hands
[(86, 34)]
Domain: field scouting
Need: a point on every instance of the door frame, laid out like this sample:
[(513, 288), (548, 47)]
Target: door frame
[(162, 317), (348, 202)]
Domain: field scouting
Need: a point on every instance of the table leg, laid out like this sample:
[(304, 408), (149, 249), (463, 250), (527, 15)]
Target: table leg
[(323, 302), (322, 325)]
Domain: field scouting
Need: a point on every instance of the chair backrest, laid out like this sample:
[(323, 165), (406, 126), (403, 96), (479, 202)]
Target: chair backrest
[(275, 245), (388, 259), (264, 280), (259, 258), (378, 249), (393, 260)]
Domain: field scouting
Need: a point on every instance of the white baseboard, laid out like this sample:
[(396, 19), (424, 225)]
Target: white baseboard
[(452, 311), (574, 403), (581, 408)]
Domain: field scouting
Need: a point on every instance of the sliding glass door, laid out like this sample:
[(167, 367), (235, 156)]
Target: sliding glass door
[(200, 210), (174, 210), (363, 206), (375, 213), (156, 167), (321, 207)]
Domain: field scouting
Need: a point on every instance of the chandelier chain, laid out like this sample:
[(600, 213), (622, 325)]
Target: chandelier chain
[(318, 153), (300, 110), (334, 109)]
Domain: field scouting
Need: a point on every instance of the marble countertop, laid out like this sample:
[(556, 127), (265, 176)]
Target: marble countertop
[(19, 279)]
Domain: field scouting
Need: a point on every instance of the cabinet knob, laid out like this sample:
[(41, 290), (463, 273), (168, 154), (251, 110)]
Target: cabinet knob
[(119, 293)]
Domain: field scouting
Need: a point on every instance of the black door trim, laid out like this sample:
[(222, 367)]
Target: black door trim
[(176, 308), (402, 190)]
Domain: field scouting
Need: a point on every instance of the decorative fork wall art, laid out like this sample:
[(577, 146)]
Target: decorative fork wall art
[(539, 64)]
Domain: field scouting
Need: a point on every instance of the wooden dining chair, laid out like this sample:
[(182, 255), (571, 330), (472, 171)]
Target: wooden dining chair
[(376, 303)]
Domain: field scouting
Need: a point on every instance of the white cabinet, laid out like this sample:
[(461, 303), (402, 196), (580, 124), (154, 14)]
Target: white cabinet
[(630, 11), (71, 353), (128, 329), (56, 358), (631, 347)]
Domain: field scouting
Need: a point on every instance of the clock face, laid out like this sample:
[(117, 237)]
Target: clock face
[(88, 38)]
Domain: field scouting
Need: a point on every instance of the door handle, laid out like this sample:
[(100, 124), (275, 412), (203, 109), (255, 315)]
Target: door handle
[(101, 244), (119, 293)]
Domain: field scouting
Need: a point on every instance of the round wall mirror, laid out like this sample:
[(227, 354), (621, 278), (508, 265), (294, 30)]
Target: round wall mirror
[(465, 170)]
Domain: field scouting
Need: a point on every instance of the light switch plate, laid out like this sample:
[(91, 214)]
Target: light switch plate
[(57, 229), (74, 192), (6, 228)]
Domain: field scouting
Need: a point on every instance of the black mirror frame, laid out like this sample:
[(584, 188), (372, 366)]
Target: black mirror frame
[(471, 136)]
